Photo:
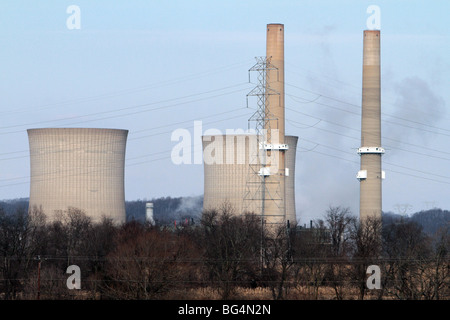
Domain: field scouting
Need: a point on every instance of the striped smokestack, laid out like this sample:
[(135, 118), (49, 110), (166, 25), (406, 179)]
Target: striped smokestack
[(274, 200), (371, 175), (275, 52)]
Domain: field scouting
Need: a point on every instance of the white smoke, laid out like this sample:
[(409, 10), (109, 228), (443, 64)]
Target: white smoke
[(190, 206), (417, 110)]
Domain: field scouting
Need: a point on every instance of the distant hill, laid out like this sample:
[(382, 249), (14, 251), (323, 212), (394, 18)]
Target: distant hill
[(12, 205), (165, 210), (431, 220)]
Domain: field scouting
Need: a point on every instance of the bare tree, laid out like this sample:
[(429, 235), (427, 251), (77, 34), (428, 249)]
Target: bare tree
[(438, 272), (367, 250), (231, 248), (99, 243), (145, 264), (409, 251), (278, 259), (338, 222), (19, 244), (78, 228), (310, 252)]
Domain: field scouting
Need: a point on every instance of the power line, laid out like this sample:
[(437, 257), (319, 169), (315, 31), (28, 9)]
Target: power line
[(359, 131), (384, 162), (134, 107), (359, 94), (126, 165), (388, 146), (357, 162), (131, 90), (134, 132), (319, 95)]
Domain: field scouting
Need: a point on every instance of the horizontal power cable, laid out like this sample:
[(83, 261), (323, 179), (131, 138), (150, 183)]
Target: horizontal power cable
[(70, 171), (357, 162), (319, 95), (130, 90), (359, 131), (359, 94), (134, 107), (387, 146), (46, 149), (384, 162)]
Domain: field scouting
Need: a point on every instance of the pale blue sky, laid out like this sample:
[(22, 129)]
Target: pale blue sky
[(154, 66)]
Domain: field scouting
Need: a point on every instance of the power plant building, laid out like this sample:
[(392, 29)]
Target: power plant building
[(79, 168)]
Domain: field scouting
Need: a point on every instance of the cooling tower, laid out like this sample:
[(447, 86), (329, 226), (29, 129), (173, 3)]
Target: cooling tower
[(81, 168), (227, 168), (289, 185), (371, 175)]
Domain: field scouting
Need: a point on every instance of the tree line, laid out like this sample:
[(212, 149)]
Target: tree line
[(223, 252), (165, 209), (170, 209)]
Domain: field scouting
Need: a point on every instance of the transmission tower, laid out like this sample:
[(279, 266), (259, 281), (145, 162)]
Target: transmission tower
[(259, 190)]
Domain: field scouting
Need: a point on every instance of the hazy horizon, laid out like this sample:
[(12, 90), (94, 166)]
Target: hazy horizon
[(154, 67)]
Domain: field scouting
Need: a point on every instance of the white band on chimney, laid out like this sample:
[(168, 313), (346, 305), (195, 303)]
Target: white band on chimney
[(273, 146), (365, 150)]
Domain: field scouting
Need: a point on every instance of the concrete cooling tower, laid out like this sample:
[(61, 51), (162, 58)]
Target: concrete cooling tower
[(227, 168), (81, 168)]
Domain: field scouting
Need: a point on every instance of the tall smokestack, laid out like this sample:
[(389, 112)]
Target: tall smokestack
[(275, 52), (274, 200), (371, 175)]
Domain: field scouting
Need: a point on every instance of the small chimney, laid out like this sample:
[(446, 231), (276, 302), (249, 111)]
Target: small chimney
[(149, 213)]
